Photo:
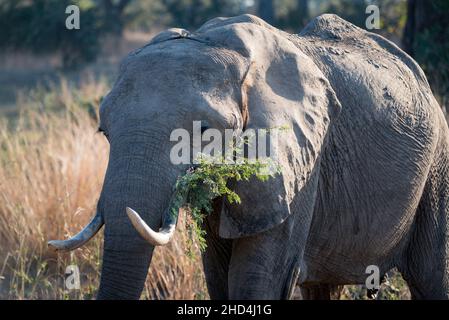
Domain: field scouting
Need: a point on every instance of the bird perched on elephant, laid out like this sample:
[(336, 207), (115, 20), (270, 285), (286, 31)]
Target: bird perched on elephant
[(364, 168)]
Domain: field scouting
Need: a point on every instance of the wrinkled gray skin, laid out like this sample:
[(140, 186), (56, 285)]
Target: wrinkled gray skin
[(364, 169)]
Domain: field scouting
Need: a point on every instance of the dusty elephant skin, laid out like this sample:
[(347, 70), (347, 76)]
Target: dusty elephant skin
[(364, 168)]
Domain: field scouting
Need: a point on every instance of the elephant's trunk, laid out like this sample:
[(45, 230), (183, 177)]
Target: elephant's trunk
[(126, 256), (131, 180), (123, 273)]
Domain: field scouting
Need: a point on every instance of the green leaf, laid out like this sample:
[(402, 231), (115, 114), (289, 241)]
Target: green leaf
[(199, 186)]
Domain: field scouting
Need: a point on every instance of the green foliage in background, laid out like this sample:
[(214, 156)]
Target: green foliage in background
[(393, 14), (431, 49), (351, 10), (39, 27), (191, 14)]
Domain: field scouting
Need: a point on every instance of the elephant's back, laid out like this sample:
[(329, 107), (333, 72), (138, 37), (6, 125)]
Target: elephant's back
[(379, 150), (369, 73), (339, 36), (388, 109)]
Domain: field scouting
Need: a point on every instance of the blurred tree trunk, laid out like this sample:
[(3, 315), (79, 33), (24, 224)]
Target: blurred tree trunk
[(266, 11), (426, 39), (195, 14), (420, 15), (303, 13)]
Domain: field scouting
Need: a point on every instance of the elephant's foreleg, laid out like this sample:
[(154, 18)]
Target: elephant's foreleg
[(216, 260), (264, 266)]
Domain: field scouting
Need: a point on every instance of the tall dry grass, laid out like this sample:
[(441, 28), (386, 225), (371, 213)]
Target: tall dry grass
[(52, 164)]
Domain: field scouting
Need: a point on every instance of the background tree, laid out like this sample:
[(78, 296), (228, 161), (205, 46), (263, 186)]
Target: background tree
[(303, 12), (265, 11), (351, 10), (426, 39), (39, 27), (191, 14), (113, 11)]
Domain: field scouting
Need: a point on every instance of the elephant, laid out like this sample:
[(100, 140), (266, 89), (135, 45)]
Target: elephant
[(364, 168)]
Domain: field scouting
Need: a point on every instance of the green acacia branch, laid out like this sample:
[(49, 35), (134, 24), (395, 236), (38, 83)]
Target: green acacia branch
[(197, 188)]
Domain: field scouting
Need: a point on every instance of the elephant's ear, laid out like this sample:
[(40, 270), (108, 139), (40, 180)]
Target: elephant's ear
[(282, 88)]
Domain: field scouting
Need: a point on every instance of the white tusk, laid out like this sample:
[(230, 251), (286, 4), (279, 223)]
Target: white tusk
[(80, 238), (160, 238)]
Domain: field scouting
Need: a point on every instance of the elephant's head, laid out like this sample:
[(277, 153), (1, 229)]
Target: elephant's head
[(233, 73)]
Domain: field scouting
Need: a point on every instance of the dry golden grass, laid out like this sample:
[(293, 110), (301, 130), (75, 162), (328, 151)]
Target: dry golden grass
[(52, 164)]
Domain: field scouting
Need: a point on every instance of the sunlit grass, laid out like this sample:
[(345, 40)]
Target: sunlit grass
[(52, 164)]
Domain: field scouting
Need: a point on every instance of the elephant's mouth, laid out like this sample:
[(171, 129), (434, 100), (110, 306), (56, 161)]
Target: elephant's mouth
[(156, 238)]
